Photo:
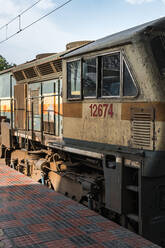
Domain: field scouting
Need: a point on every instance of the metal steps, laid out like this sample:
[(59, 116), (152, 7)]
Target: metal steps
[(133, 217), (132, 188)]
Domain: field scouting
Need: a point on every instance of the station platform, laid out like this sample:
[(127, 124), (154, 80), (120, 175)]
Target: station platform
[(31, 215)]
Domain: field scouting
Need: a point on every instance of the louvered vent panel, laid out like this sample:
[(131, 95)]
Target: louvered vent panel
[(142, 128), (19, 75), (30, 72), (45, 69), (58, 65)]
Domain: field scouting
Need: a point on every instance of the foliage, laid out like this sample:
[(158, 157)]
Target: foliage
[(4, 64)]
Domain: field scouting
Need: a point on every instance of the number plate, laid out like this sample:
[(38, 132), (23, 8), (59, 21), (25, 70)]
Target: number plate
[(101, 110)]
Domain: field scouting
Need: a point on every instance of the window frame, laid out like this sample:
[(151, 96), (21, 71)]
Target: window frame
[(97, 69), (81, 80), (99, 76), (41, 97), (129, 68), (109, 54), (153, 36)]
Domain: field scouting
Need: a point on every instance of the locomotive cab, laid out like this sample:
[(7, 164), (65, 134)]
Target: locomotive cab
[(114, 105)]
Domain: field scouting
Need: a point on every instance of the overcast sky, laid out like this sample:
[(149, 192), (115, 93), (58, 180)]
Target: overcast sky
[(79, 20)]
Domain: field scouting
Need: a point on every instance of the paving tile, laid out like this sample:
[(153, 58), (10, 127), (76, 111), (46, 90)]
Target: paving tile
[(75, 207), (79, 221), (37, 228), (121, 233), (49, 236), (62, 243), (7, 217), (6, 243), (95, 246), (33, 246), (70, 214), (116, 244), (71, 231), (82, 240), (102, 236), (31, 220), (43, 211), (8, 224), (86, 212), (90, 228), (17, 231), (59, 224), (50, 218), (24, 241)]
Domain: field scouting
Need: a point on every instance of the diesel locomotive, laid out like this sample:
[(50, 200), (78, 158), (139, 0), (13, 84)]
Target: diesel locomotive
[(89, 122)]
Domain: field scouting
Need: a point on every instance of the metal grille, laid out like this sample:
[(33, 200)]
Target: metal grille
[(30, 72), (58, 65), (142, 128), (19, 75), (45, 69)]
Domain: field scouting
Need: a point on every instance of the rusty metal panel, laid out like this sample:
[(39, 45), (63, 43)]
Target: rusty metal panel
[(73, 110), (1, 119), (6, 134), (20, 92)]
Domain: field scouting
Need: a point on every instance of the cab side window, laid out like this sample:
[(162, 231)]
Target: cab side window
[(158, 49), (89, 77), (74, 79), (129, 88), (111, 75)]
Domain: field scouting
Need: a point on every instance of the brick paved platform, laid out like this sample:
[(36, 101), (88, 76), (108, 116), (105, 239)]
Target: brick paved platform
[(31, 215)]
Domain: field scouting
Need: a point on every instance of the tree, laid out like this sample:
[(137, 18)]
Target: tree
[(4, 64)]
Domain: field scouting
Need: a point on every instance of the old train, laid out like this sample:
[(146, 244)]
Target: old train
[(90, 123)]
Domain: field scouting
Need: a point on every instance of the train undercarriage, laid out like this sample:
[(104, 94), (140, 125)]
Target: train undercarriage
[(77, 177)]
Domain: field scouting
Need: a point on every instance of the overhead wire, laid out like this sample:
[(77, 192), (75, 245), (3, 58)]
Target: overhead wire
[(29, 25), (49, 13), (24, 11)]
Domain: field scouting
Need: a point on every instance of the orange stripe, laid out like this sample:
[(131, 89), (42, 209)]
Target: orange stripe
[(73, 110), (159, 108)]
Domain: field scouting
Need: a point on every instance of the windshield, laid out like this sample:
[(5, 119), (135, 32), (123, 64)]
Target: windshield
[(158, 49)]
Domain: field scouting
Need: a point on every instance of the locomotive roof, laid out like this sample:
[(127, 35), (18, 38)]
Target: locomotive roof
[(119, 38), (7, 70), (38, 61)]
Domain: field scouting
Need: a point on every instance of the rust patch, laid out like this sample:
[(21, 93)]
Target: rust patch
[(159, 108), (73, 110), (20, 93)]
